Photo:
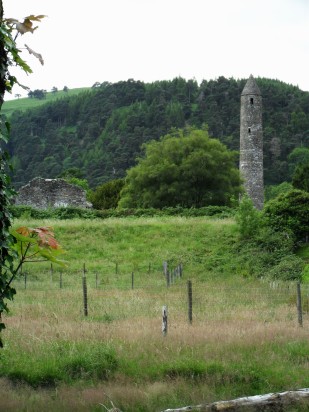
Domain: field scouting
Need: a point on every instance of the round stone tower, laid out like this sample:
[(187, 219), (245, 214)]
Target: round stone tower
[(251, 142)]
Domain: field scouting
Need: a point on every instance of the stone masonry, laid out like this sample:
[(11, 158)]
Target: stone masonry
[(44, 193), (251, 142)]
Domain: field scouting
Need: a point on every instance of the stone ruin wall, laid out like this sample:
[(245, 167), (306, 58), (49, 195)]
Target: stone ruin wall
[(44, 193)]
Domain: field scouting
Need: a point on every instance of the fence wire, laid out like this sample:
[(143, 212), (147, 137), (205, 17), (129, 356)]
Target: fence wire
[(143, 294)]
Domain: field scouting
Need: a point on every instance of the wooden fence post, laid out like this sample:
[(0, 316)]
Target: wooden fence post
[(299, 305), (85, 295), (51, 272), (190, 301), (132, 280), (96, 281), (60, 280), (164, 320), (116, 268), (25, 279), (165, 267), (168, 278)]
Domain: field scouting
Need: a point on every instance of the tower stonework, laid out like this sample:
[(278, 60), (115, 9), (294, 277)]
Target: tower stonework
[(251, 142)]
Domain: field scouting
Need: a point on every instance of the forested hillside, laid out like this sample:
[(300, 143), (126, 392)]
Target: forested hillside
[(101, 131)]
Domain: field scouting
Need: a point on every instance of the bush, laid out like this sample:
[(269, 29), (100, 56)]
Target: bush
[(248, 218), (107, 195), (289, 212), (27, 212), (289, 268)]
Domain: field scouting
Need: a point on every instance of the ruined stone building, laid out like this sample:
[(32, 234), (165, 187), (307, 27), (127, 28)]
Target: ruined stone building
[(44, 193), (251, 142)]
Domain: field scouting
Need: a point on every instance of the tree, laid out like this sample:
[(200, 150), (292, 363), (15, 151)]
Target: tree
[(185, 168), (301, 177), (107, 195), (39, 94), (54, 90), (299, 155)]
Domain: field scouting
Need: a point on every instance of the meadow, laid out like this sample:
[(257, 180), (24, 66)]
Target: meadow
[(25, 103), (244, 338)]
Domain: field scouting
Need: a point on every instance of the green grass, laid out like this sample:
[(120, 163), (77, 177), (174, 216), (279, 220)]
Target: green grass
[(244, 339), (26, 103)]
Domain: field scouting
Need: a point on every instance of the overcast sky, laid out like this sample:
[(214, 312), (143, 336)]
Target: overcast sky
[(83, 42)]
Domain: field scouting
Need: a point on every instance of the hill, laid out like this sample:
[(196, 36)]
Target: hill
[(101, 131), (25, 103)]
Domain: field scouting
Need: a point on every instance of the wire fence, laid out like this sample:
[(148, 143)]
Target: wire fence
[(146, 293)]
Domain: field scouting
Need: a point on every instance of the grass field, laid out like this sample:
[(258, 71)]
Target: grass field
[(244, 338), (26, 103)]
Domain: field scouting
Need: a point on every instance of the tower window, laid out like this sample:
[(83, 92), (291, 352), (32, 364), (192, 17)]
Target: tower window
[(249, 130), (251, 100)]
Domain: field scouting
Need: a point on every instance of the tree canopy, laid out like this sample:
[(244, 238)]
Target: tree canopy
[(184, 168), (101, 131), (301, 177)]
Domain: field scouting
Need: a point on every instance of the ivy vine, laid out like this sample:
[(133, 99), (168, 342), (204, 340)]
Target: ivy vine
[(24, 244)]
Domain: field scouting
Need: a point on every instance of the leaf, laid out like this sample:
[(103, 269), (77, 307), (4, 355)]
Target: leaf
[(46, 237), (51, 255), (36, 18), (27, 25), (23, 230), (37, 55)]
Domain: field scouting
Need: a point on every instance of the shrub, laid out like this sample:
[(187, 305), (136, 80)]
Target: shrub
[(27, 212), (289, 212), (248, 218), (289, 268), (107, 195)]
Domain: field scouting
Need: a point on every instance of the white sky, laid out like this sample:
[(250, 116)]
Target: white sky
[(90, 41)]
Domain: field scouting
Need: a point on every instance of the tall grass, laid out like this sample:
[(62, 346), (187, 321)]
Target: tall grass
[(244, 338)]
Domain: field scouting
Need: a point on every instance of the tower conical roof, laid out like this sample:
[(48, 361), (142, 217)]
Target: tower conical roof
[(251, 87)]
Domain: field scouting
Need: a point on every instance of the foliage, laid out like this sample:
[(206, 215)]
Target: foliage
[(24, 245), (10, 56), (289, 268), (298, 156), (289, 212), (248, 218), (37, 94), (265, 251), (63, 213), (273, 191), (301, 177), (101, 130), (107, 195), (185, 168), (83, 183), (35, 245)]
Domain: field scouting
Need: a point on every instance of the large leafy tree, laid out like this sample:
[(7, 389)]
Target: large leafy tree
[(185, 168)]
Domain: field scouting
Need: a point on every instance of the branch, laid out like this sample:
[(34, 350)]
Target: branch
[(252, 403)]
